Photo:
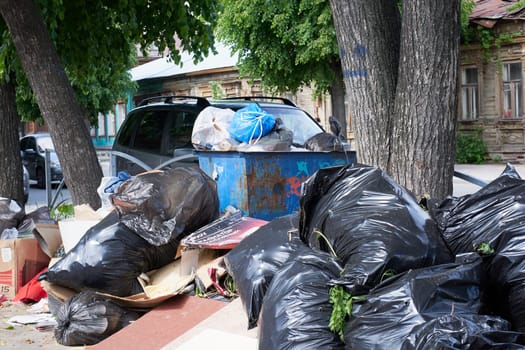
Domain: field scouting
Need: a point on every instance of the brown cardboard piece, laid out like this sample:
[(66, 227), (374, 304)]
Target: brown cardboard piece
[(20, 260), (48, 237), (164, 283)]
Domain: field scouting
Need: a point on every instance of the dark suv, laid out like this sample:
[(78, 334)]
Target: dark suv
[(160, 128), (33, 151)]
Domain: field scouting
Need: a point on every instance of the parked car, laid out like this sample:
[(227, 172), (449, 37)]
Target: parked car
[(160, 128), (26, 184), (33, 151)]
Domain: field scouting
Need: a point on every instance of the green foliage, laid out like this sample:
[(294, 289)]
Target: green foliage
[(516, 6), (286, 44), (470, 148), (342, 303), (484, 248), (216, 90), (96, 41), (62, 211), (467, 6)]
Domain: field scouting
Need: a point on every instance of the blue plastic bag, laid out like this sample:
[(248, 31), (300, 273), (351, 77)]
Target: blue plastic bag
[(251, 123)]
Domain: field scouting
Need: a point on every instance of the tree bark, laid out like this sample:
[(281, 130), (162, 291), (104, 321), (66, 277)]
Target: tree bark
[(424, 133), (337, 93), (401, 80), (368, 36), (55, 98), (11, 181)]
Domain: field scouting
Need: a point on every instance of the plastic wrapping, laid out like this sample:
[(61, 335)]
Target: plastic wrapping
[(493, 216), (109, 258), (296, 310), (255, 260), (280, 139), (88, 318), (251, 123), (463, 331), (324, 142), (210, 130), (394, 311), (10, 214), (166, 205), (372, 224)]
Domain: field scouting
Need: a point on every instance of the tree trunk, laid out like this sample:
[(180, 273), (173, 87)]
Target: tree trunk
[(337, 93), (56, 99), (368, 36), (401, 82), (423, 145), (11, 182)]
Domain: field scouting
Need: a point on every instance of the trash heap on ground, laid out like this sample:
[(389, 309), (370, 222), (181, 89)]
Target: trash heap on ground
[(364, 266)]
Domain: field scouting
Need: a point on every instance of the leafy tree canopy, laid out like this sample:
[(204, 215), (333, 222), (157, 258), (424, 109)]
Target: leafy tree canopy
[(284, 43), (96, 41)]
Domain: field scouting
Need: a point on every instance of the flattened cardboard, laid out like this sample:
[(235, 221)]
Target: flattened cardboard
[(20, 260), (48, 237)]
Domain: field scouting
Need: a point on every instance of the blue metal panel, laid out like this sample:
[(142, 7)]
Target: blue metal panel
[(265, 185)]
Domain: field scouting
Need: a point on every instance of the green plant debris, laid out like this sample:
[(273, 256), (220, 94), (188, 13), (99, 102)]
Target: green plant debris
[(342, 303), (62, 211), (484, 248)]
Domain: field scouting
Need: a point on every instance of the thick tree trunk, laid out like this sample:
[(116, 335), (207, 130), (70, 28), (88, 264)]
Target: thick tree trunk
[(423, 144), (402, 87), (56, 99), (368, 37), (337, 94), (11, 182)]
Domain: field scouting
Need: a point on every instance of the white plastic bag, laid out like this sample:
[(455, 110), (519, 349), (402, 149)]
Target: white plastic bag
[(210, 130)]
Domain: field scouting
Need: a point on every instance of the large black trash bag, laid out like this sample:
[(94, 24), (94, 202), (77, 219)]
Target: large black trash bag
[(396, 308), (161, 206), (463, 331), (88, 318), (109, 258), (494, 215), (373, 225), (256, 259), (296, 310)]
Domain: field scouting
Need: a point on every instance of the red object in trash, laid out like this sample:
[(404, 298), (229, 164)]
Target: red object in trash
[(32, 291)]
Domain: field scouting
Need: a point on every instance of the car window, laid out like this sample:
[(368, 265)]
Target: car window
[(298, 121), (28, 143), (149, 133), (181, 129), (45, 143)]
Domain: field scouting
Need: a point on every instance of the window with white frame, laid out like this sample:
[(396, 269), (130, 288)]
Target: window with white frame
[(469, 93), (512, 90)]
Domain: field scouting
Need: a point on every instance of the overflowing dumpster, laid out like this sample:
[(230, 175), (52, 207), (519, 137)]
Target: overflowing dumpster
[(265, 185)]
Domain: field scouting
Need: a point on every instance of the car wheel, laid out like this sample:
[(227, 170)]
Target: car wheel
[(40, 178)]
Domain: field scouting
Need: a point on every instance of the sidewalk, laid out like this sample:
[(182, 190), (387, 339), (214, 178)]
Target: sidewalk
[(484, 172)]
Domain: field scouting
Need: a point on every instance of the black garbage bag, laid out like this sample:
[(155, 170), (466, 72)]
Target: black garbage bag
[(163, 205), (88, 318), (493, 218), (255, 260), (109, 258), (399, 313), (296, 310), (372, 224), (463, 331), (324, 142)]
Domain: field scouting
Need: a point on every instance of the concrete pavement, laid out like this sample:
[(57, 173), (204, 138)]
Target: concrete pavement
[(485, 172)]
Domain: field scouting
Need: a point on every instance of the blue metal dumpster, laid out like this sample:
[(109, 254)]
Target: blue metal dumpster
[(265, 185)]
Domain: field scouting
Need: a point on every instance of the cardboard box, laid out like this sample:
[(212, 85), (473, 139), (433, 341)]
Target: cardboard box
[(20, 260)]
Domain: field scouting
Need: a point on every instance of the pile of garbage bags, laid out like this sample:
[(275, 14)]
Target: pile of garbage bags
[(363, 265), (153, 212), (252, 129)]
